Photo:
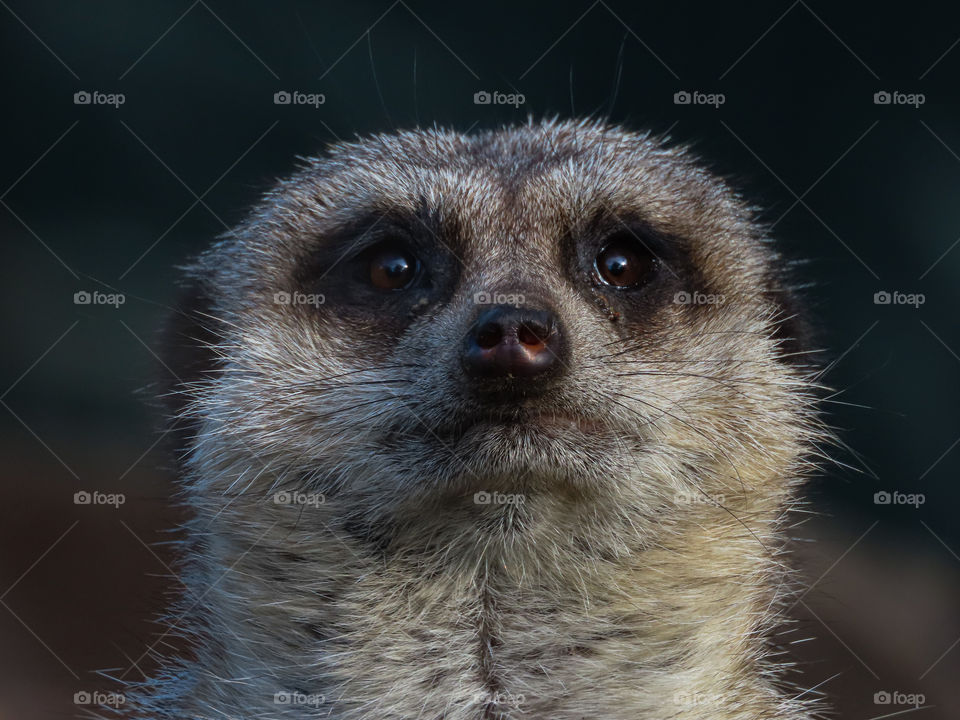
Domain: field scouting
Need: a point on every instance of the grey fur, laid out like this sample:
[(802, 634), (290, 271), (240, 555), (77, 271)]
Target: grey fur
[(622, 587)]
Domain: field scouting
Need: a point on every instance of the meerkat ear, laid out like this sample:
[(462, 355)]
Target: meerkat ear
[(188, 342)]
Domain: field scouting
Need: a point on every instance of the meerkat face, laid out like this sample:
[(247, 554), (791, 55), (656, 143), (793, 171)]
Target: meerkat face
[(564, 309)]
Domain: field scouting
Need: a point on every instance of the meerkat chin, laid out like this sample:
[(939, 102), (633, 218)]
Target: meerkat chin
[(491, 426)]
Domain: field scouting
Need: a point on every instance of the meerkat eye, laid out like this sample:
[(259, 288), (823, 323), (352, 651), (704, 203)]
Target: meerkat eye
[(392, 267), (624, 262)]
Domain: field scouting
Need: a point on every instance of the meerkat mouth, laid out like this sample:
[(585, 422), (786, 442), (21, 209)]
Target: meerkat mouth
[(524, 424), (540, 420)]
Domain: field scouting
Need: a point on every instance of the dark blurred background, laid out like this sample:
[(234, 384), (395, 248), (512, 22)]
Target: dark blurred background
[(112, 197)]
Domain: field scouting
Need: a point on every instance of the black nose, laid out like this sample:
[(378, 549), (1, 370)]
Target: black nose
[(509, 342)]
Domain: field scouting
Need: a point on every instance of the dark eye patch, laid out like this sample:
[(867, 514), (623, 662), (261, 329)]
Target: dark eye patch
[(336, 248), (381, 267), (626, 265)]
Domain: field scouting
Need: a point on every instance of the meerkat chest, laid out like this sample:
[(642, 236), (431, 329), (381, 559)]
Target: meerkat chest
[(477, 648)]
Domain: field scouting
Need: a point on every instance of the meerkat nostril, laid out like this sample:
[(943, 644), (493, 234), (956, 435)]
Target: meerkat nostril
[(531, 336)]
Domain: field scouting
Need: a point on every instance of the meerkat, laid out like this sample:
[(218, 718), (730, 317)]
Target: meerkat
[(502, 425)]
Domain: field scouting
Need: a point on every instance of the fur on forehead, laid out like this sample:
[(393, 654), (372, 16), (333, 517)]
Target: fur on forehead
[(542, 177), (401, 168)]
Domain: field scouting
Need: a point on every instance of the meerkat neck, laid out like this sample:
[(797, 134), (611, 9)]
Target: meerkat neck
[(490, 606)]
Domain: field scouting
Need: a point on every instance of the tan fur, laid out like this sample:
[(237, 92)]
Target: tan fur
[(622, 587)]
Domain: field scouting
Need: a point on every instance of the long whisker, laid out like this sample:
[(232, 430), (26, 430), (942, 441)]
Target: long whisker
[(698, 488), (699, 432)]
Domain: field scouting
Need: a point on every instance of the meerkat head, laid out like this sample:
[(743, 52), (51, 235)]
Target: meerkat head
[(566, 312), (539, 398)]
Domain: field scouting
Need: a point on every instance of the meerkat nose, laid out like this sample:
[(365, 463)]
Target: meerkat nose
[(506, 341)]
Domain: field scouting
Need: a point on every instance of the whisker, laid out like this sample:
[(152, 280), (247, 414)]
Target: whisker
[(694, 429)]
